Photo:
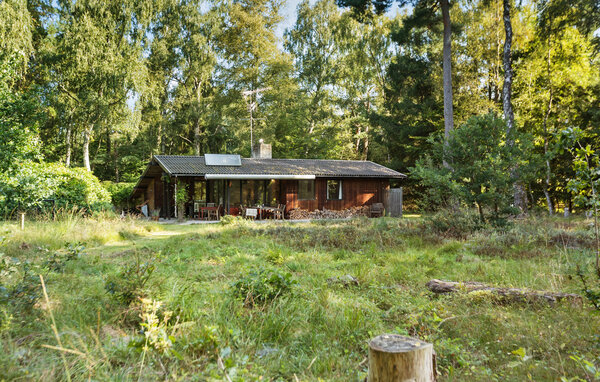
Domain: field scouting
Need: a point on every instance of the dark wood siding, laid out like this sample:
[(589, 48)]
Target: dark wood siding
[(355, 193)]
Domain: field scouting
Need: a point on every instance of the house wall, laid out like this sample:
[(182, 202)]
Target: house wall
[(149, 196), (355, 193)]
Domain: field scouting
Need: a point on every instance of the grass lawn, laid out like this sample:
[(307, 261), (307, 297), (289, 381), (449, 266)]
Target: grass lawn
[(252, 301)]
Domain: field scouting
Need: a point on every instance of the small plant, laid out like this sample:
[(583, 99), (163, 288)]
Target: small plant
[(457, 224), (274, 256), (592, 371), (59, 259), (205, 340), (154, 328), (262, 286), (232, 220), (128, 285), (591, 293), (181, 196), (156, 336), (24, 294)]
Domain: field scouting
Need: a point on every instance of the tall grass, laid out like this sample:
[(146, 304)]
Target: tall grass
[(308, 328), (69, 226)]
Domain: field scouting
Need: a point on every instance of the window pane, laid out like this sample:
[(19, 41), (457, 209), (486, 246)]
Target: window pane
[(217, 195), (200, 191), (334, 189), (306, 189), (234, 193), (253, 192), (272, 193)]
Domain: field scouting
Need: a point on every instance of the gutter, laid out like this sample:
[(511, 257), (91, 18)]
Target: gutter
[(260, 176)]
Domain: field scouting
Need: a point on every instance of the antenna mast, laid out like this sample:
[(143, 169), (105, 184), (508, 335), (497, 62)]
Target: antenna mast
[(252, 105)]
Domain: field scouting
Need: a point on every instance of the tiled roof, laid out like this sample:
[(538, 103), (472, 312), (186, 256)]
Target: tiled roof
[(194, 166)]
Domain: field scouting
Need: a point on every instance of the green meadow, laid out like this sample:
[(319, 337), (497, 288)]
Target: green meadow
[(281, 301)]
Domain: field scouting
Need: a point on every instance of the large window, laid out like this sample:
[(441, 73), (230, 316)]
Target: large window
[(306, 189), (234, 193), (253, 192), (334, 189), (199, 195), (272, 193)]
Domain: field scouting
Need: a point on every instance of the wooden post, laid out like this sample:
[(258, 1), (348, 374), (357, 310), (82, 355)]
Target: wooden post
[(22, 221), (395, 358)]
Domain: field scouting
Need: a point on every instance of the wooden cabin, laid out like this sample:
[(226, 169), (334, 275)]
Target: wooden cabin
[(231, 181)]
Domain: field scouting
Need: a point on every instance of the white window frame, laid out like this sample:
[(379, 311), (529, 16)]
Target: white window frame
[(340, 193)]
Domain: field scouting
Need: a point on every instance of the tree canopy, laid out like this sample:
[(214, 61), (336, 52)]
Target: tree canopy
[(105, 85)]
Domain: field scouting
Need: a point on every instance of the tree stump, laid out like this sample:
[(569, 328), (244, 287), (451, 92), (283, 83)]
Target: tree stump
[(395, 358)]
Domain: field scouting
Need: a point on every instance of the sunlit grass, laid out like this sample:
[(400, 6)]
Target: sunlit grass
[(317, 330)]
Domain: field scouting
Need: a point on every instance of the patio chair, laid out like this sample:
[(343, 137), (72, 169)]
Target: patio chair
[(251, 213), (213, 213), (279, 212), (376, 210)]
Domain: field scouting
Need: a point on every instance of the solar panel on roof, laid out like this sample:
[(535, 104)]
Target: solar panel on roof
[(222, 160)]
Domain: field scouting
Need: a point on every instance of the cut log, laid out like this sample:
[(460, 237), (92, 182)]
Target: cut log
[(503, 294), (395, 358)]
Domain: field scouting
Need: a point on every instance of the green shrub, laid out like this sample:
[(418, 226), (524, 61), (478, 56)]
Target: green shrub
[(481, 168), (28, 184), (59, 259), (119, 192), (20, 287), (457, 224), (232, 220), (128, 285), (262, 285)]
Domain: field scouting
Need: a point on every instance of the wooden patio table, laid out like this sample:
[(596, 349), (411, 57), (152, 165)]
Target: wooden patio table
[(265, 208), (206, 209)]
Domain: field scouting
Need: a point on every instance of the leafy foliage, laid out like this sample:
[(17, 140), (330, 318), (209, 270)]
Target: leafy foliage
[(119, 192), (128, 285), (262, 286), (27, 185), (19, 119), (59, 259), (481, 168)]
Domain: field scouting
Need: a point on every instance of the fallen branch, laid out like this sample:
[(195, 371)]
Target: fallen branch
[(504, 294)]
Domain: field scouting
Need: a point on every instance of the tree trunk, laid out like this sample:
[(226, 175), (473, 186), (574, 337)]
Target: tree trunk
[(68, 139), (159, 131), (87, 136), (503, 294), (509, 116), (366, 147), (358, 131), (397, 358), (197, 137), (546, 184), (447, 68), (116, 162)]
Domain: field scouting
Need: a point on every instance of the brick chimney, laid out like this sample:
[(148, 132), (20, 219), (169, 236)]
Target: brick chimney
[(261, 150)]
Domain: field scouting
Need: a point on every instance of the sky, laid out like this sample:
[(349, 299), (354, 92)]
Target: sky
[(289, 15)]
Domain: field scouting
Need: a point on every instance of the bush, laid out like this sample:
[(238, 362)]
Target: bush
[(457, 224), (128, 285), (119, 193), (20, 287), (29, 183), (262, 286), (481, 170), (232, 220), (59, 259)]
